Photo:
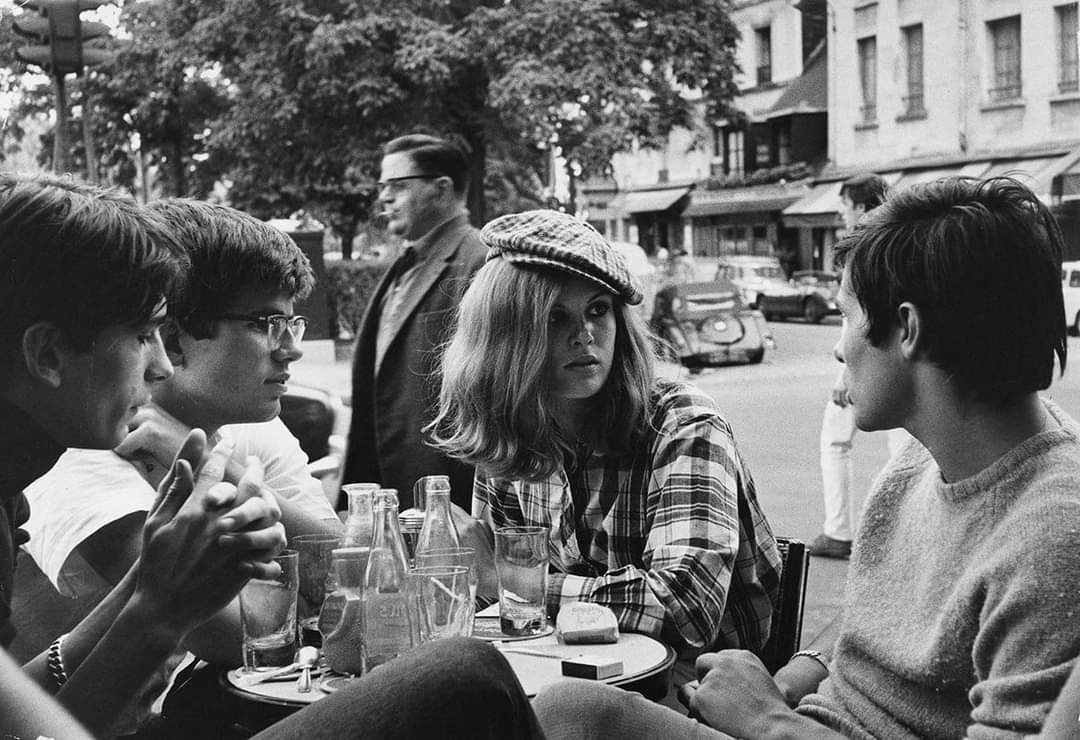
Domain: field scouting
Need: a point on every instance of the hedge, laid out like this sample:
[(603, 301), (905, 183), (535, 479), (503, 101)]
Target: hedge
[(349, 285)]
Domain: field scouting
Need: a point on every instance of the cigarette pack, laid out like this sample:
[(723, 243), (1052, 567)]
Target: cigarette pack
[(591, 666)]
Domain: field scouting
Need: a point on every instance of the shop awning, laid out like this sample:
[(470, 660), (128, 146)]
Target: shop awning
[(753, 199), (917, 177), (646, 201)]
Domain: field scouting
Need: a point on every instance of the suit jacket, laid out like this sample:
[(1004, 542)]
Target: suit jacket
[(392, 402)]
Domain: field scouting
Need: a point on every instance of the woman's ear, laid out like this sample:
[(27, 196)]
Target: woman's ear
[(910, 331), (170, 337), (45, 349)]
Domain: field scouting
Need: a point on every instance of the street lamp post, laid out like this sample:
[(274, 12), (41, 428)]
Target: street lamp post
[(59, 33)]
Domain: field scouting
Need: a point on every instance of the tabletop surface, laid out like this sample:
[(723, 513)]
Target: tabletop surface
[(641, 657)]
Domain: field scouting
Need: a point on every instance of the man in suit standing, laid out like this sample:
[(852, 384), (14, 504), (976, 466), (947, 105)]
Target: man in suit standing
[(422, 187)]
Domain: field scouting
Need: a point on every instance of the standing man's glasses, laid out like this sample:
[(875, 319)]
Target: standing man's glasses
[(394, 183), (274, 325)]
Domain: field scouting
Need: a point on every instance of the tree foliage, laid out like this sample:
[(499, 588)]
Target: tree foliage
[(291, 100)]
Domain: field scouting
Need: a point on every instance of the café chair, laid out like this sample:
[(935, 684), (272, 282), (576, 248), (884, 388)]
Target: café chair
[(311, 415), (785, 634)]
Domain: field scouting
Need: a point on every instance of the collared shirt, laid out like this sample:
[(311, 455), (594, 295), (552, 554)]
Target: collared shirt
[(28, 452), (429, 249), (676, 544)]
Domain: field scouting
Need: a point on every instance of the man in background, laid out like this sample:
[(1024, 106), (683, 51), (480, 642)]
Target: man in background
[(858, 195), (422, 188)]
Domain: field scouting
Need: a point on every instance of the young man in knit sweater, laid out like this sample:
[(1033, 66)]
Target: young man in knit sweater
[(961, 605)]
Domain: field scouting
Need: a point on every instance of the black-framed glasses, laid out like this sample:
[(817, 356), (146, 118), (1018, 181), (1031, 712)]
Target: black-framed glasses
[(274, 324), (394, 182)]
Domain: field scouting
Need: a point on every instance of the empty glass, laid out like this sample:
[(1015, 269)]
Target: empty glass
[(451, 556), (443, 601)]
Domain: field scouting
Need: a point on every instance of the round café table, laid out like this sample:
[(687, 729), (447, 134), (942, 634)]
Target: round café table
[(646, 669)]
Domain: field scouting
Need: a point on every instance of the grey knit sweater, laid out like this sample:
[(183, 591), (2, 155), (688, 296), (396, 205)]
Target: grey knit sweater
[(962, 614)]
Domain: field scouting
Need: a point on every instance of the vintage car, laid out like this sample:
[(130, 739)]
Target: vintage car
[(706, 324), (809, 295), (753, 275)]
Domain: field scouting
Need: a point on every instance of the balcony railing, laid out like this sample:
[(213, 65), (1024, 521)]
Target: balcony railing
[(1069, 85), (764, 74), (868, 113)]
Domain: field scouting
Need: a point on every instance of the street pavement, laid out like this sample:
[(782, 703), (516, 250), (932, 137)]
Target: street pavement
[(775, 410)]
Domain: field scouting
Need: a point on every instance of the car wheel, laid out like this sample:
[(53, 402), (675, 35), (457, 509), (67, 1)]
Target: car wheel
[(756, 357), (813, 311), (1076, 324)]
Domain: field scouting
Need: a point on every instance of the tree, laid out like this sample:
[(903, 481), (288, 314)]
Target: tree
[(325, 83), (291, 100)]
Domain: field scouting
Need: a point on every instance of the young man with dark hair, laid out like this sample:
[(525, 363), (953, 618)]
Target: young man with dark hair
[(858, 196), (84, 275), (230, 336), (422, 188), (961, 600)]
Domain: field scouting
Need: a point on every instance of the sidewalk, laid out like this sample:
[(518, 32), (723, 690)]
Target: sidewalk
[(826, 578)]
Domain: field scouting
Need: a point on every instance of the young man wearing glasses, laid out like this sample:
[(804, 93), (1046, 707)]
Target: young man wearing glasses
[(231, 336), (422, 188)]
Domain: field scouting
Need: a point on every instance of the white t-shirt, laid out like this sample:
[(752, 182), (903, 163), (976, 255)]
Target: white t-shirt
[(89, 489)]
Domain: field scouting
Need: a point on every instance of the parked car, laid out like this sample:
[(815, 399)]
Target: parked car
[(754, 276), (810, 295), (1070, 292), (708, 324)]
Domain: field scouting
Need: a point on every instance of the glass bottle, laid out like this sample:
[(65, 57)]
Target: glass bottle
[(389, 605), (438, 531), (358, 525), (341, 618)]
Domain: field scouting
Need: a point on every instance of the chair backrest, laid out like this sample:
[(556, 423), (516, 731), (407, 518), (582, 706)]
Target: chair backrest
[(785, 634), (309, 415)]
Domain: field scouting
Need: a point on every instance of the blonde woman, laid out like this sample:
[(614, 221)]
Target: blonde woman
[(549, 390)]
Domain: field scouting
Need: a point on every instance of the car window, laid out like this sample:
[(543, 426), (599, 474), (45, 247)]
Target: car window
[(1074, 279)]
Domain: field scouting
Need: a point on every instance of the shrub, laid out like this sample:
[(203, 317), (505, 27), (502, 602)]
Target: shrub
[(349, 286)]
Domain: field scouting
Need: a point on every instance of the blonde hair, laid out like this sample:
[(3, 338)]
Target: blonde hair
[(495, 412)]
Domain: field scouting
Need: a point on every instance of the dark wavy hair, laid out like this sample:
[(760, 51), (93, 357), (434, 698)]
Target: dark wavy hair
[(981, 259), (229, 251), (81, 257), (495, 411)]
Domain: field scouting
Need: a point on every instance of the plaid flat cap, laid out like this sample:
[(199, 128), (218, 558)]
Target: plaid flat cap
[(562, 242)]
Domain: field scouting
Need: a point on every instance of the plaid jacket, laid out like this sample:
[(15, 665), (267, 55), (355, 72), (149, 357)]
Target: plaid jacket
[(677, 545)]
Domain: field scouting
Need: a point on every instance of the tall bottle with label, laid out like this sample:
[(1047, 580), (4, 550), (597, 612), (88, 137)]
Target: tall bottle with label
[(359, 525), (438, 531), (390, 618)]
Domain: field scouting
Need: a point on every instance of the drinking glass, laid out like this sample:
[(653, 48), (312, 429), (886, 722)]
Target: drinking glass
[(268, 617), (314, 565), (443, 601), (455, 556), (521, 562)]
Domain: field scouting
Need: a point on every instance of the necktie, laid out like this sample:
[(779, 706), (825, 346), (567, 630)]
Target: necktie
[(403, 264)]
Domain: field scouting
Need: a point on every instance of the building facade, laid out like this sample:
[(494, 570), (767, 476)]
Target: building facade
[(720, 188), (926, 88), (911, 89)]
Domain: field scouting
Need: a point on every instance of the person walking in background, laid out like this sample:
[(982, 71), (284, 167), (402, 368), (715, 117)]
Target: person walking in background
[(858, 195), (422, 188)]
